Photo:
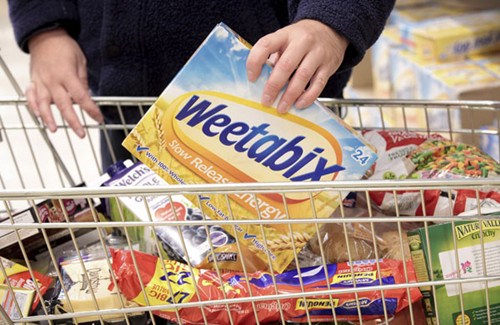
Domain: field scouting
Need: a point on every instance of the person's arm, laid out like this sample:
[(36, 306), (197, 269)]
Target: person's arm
[(47, 30), (29, 17), (325, 37)]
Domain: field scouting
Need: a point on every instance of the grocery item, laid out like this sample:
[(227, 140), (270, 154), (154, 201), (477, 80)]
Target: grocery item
[(392, 148), (453, 37), (435, 159), (83, 283), (208, 126), (205, 285), (459, 251), (188, 243), (489, 61), (446, 159), (23, 297), (20, 277), (402, 16), (381, 65)]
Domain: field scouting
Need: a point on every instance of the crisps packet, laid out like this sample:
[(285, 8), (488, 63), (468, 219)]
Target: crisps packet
[(208, 126), (19, 276)]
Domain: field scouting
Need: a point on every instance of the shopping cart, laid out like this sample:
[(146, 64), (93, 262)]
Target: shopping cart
[(37, 166)]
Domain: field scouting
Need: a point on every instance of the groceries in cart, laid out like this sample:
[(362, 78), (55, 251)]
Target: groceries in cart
[(415, 156), (27, 290), (168, 282), (467, 250), (85, 281), (187, 243), (218, 132)]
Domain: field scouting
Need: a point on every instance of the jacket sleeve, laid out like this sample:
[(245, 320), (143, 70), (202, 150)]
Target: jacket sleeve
[(29, 17), (360, 21)]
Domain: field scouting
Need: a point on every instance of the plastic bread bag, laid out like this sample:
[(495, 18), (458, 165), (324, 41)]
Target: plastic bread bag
[(361, 242), (169, 281)]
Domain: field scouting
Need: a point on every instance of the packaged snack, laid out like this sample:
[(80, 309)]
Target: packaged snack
[(234, 285), (23, 297), (459, 251), (83, 283), (20, 277), (195, 237), (208, 126)]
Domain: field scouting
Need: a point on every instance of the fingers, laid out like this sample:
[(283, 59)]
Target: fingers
[(302, 76), (280, 75), (80, 96), (304, 55), (58, 73), (63, 96), (65, 105), (316, 86), (39, 100), (261, 51)]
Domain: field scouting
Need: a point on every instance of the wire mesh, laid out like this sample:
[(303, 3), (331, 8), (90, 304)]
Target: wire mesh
[(60, 170)]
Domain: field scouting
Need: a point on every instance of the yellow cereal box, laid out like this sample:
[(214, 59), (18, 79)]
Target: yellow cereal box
[(208, 126), (453, 38)]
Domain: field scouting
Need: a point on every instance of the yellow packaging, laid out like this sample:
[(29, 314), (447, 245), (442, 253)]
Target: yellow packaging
[(427, 11), (381, 71), (490, 62), (409, 3), (453, 38), (24, 298), (208, 126)]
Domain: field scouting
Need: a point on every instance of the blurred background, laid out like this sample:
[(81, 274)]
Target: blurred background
[(17, 61)]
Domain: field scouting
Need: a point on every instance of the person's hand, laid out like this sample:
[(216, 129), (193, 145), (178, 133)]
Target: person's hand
[(59, 76), (305, 54)]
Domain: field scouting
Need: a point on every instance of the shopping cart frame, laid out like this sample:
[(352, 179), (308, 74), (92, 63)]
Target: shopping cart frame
[(30, 194)]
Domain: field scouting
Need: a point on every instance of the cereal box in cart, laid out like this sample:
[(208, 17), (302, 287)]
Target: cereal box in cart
[(208, 126)]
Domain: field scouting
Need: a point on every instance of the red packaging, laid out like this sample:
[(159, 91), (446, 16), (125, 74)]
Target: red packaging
[(234, 285), (19, 276)]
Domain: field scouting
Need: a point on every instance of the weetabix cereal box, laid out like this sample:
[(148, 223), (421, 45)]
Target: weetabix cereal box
[(208, 126)]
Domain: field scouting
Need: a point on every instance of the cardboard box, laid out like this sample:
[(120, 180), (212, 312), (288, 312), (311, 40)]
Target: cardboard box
[(468, 4), (413, 78), (409, 3), (490, 62), (361, 75), (381, 67), (400, 17), (453, 38), (470, 252), (208, 126)]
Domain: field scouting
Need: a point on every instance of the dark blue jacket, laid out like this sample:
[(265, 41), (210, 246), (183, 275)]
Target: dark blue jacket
[(134, 48)]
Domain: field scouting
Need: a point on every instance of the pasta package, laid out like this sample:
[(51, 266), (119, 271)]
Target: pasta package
[(208, 126), (167, 282)]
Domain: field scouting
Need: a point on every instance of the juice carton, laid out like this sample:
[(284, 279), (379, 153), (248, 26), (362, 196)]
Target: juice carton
[(208, 126)]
